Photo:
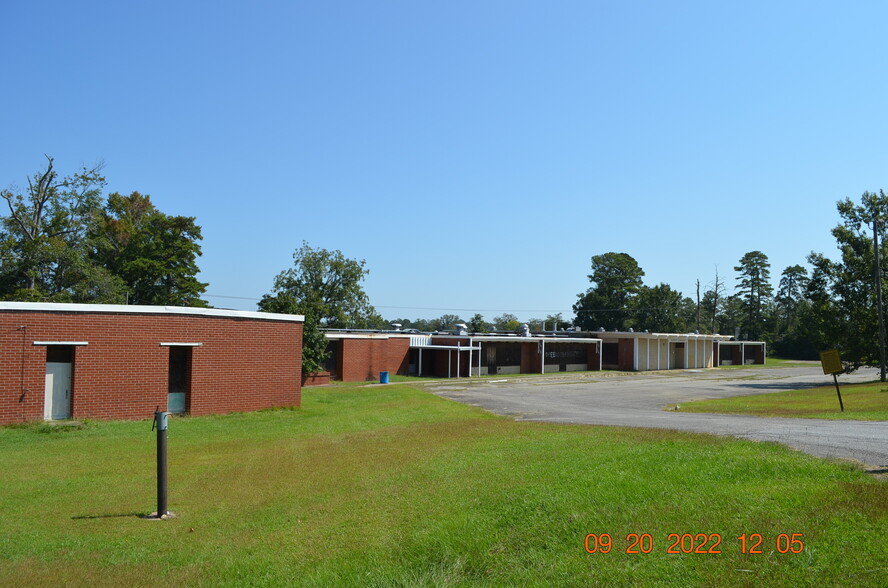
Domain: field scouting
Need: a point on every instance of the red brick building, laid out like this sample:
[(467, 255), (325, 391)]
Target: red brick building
[(362, 355), (122, 362), (359, 357)]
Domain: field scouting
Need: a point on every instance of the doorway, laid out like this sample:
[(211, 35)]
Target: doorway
[(59, 375), (179, 386), (678, 356)]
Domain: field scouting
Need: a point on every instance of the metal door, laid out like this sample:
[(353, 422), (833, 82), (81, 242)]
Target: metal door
[(57, 396)]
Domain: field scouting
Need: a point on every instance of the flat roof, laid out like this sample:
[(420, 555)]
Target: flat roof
[(139, 309), (337, 335), (643, 335)]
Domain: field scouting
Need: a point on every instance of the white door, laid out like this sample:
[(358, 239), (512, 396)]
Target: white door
[(57, 399)]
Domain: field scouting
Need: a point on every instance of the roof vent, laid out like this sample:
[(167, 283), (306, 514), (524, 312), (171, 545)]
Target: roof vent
[(396, 326)]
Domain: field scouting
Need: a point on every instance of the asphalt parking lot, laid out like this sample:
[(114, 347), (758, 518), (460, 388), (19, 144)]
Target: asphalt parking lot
[(638, 400)]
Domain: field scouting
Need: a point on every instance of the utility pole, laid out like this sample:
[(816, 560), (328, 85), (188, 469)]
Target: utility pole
[(879, 299)]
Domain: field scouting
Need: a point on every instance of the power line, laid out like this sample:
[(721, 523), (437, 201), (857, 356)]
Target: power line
[(411, 307), (232, 297), (450, 309), (468, 309)]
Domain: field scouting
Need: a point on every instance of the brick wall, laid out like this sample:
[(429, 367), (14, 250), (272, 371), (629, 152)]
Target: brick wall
[(243, 364), (361, 359), (316, 379)]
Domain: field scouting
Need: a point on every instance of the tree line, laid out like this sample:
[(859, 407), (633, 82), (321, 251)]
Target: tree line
[(61, 240), (833, 306), (619, 300)]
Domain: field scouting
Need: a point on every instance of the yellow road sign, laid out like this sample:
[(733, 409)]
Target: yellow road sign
[(831, 361)]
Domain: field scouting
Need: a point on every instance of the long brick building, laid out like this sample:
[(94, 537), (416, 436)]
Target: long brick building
[(99, 361), (362, 355)]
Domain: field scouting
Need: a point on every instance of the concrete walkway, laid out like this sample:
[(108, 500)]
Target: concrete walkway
[(638, 400)]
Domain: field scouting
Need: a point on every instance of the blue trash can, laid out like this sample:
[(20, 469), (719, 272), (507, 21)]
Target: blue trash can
[(383, 377)]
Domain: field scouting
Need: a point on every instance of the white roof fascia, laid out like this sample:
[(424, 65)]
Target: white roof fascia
[(365, 336), (450, 347), (507, 339), (138, 309), (673, 336)]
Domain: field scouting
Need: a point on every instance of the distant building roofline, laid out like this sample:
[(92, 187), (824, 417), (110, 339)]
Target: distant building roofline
[(646, 335)]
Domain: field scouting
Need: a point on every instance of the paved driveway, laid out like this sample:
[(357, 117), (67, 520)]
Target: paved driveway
[(637, 400)]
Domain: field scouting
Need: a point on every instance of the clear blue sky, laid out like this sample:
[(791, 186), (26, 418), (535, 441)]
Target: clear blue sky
[(475, 154)]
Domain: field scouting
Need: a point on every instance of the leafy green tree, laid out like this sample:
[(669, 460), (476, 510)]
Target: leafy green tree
[(405, 323), (556, 322), (754, 288), (732, 317), (842, 293), (325, 286), (616, 279), (660, 309), (154, 254), (791, 291), (506, 323), (445, 322), (789, 339), (43, 249), (314, 343), (62, 242), (552, 322), (709, 311), (420, 324), (477, 324)]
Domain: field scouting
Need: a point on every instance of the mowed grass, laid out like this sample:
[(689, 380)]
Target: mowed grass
[(391, 486), (771, 362), (863, 402)]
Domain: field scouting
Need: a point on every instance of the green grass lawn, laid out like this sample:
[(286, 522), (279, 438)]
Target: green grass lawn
[(391, 486), (863, 402), (771, 362)]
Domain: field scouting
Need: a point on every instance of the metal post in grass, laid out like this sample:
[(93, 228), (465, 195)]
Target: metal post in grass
[(839, 392), (160, 421), (832, 364)]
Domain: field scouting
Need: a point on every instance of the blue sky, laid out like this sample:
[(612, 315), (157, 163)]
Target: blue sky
[(475, 154)]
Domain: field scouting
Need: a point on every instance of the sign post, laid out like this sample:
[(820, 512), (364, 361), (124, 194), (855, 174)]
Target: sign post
[(832, 364)]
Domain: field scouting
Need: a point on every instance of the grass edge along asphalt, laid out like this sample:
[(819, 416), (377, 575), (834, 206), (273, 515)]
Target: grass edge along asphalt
[(392, 486), (863, 402)]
